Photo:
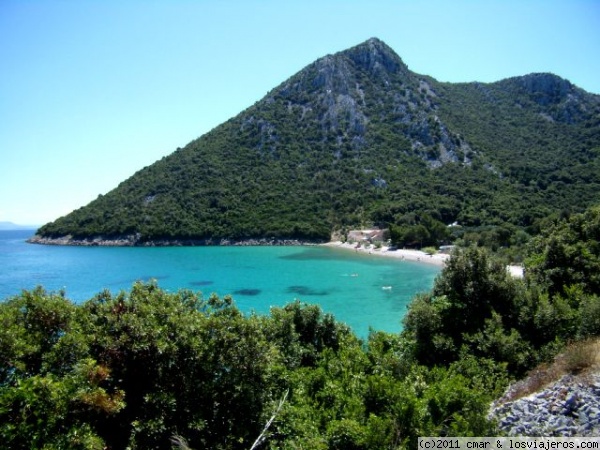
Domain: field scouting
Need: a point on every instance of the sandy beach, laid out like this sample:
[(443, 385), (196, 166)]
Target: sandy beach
[(438, 259)]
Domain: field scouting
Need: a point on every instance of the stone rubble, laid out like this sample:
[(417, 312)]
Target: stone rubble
[(568, 407)]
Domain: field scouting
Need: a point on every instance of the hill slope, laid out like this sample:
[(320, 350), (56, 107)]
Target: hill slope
[(357, 138)]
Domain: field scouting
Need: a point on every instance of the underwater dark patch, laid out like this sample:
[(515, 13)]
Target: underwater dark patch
[(306, 290), (202, 283), (312, 254), (248, 292)]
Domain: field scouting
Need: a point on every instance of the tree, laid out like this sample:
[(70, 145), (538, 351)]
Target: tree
[(33, 326), (473, 291), (567, 253), (188, 366)]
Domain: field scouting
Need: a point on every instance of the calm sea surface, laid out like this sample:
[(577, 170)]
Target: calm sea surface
[(363, 291)]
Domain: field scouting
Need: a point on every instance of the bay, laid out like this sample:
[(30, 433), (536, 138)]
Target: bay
[(361, 290)]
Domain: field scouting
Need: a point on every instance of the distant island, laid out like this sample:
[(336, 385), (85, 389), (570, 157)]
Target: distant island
[(7, 226)]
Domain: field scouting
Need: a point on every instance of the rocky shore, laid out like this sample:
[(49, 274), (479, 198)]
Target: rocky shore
[(566, 408), (136, 241)]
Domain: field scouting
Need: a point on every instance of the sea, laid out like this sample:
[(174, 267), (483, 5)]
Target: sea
[(364, 291)]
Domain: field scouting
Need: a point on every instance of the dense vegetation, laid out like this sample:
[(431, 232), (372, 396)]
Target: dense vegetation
[(145, 367), (358, 139)]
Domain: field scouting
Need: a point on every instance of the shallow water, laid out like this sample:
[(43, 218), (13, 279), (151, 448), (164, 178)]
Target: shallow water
[(362, 290)]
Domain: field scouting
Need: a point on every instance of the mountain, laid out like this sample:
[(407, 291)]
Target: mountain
[(7, 226), (356, 138)]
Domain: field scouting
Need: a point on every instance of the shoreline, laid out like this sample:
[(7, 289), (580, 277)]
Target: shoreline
[(135, 241), (439, 259)]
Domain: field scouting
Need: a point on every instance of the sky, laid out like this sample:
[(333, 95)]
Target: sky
[(93, 91)]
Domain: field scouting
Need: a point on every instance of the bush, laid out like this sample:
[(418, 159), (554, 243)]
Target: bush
[(580, 356)]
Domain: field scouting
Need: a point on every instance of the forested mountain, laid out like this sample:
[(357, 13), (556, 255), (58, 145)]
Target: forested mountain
[(356, 138)]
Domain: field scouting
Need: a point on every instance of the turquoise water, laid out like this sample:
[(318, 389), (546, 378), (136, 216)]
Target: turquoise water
[(348, 285)]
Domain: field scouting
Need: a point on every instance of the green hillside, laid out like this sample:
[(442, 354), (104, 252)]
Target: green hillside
[(354, 139)]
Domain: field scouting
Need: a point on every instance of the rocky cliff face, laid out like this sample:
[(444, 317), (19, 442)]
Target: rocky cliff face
[(366, 86), (557, 99), (377, 58), (545, 88)]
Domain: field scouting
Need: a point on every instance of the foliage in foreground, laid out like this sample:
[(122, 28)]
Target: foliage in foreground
[(135, 369)]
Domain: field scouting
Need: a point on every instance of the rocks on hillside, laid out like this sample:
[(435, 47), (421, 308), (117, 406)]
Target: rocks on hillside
[(546, 88), (568, 407)]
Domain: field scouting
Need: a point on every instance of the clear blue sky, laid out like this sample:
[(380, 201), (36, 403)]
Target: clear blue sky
[(92, 91)]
